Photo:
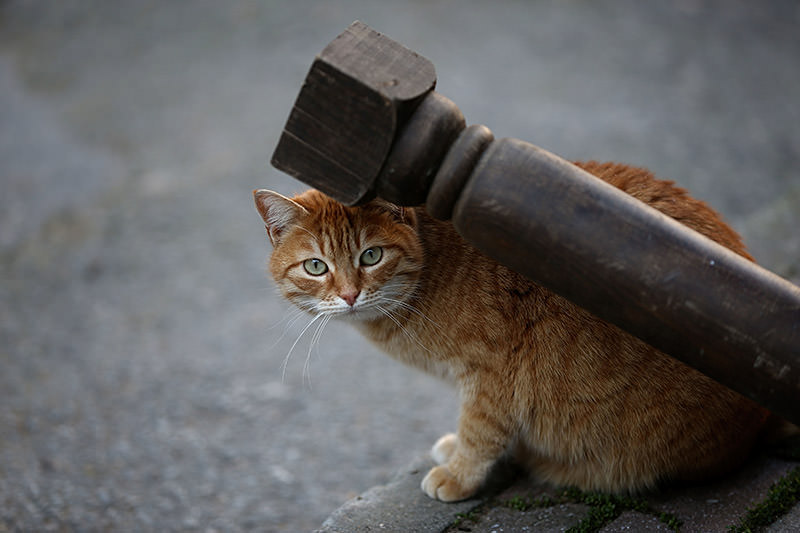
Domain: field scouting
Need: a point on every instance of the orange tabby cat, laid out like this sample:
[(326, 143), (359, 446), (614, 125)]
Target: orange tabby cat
[(575, 399)]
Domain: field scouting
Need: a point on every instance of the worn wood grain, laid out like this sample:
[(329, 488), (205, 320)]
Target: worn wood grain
[(418, 151), (344, 121)]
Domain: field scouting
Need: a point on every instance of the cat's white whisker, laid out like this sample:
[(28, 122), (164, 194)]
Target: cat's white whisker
[(405, 331), (289, 355), (411, 308), (315, 339), (288, 321), (316, 238)]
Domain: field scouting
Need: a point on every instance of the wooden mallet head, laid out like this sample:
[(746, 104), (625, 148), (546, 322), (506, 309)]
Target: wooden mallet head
[(358, 94)]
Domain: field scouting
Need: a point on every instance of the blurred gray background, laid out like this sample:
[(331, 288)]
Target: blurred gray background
[(141, 341)]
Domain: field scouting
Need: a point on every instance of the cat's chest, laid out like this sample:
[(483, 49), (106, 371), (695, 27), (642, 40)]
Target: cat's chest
[(409, 345)]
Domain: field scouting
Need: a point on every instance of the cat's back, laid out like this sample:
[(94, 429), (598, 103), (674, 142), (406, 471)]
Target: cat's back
[(671, 200)]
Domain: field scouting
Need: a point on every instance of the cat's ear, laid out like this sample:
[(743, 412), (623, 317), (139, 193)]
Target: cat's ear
[(277, 211), (402, 215)]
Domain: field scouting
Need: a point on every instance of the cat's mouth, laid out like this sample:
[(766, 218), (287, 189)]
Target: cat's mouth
[(363, 309), (358, 312), (355, 312)]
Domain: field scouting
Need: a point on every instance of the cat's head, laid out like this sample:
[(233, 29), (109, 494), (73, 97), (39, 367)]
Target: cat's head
[(356, 262)]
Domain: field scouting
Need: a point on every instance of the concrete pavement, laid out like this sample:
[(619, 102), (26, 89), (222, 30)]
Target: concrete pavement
[(141, 342)]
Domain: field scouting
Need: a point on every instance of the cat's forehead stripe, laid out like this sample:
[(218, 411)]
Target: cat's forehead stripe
[(339, 236)]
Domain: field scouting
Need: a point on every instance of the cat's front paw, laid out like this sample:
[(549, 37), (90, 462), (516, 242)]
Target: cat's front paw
[(441, 485), (444, 448)]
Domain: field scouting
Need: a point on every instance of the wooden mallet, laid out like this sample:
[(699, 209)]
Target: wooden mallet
[(368, 123)]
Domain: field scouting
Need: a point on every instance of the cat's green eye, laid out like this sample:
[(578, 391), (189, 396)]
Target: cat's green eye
[(371, 256), (315, 267)]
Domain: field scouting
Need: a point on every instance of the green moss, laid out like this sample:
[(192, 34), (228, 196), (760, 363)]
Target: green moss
[(596, 518), (603, 508), (472, 516), (782, 496), (518, 503), (670, 520)]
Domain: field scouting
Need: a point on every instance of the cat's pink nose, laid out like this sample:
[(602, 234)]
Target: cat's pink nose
[(350, 297)]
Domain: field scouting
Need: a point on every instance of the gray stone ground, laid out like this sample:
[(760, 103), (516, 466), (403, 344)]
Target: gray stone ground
[(508, 506), (141, 343)]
